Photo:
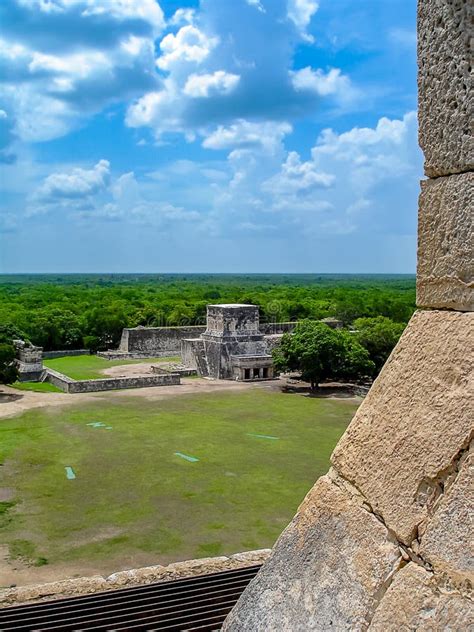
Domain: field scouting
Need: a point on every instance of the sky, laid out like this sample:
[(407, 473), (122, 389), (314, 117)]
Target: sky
[(208, 136)]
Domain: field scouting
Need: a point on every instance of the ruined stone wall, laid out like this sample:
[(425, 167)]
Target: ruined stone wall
[(383, 542), (48, 355), (156, 341), (140, 342), (69, 385)]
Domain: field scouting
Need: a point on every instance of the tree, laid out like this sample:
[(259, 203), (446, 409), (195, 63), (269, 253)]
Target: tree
[(320, 353), (313, 349), (8, 370), (355, 360), (379, 336)]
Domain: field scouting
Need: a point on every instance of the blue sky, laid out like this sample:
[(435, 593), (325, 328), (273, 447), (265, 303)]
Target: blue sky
[(211, 136)]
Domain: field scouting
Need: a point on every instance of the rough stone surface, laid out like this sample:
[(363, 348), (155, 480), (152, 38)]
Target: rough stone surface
[(448, 542), (325, 572), (415, 420), (445, 276), (133, 577), (414, 602), (445, 91)]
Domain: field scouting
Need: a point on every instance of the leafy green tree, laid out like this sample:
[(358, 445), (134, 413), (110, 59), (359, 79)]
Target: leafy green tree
[(313, 349), (378, 335), (355, 362), (320, 353), (8, 370)]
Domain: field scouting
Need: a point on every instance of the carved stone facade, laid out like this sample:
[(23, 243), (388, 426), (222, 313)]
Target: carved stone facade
[(232, 346)]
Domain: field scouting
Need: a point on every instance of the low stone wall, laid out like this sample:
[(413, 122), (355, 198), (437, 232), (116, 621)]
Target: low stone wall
[(68, 385), (48, 355), (137, 577)]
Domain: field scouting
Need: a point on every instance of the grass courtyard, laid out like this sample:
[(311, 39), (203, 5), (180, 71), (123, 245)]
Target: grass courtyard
[(90, 367), (129, 499)]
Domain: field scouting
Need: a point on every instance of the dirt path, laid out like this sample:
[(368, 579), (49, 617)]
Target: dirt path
[(14, 402)]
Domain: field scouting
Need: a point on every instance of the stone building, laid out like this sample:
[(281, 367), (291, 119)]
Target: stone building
[(232, 347), (29, 361)]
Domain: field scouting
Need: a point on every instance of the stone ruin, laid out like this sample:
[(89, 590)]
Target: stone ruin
[(29, 361), (383, 542), (232, 347)]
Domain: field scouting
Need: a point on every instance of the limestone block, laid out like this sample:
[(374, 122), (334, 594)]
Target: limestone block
[(445, 94), (445, 276), (414, 602), (414, 422), (448, 542), (325, 570)]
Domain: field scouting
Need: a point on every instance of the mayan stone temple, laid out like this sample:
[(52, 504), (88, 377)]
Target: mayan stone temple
[(232, 347), (384, 540)]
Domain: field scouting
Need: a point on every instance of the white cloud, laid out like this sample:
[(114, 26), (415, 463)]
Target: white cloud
[(219, 82), (324, 84), (188, 45), (182, 16), (267, 135), (257, 4), (297, 176), (300, 13), (62, 71), (78, 183)]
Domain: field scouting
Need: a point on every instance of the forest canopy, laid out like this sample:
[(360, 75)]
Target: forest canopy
[(76, 311)]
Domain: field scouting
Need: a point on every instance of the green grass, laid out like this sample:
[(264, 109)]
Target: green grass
[(133, 496), (37, 387), (90, 367)]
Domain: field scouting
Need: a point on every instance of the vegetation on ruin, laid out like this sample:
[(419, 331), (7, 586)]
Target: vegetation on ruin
[(77, 311), (134, 502), (91, 367)]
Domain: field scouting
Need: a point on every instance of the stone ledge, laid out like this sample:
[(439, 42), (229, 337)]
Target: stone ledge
[(415, 422), (445, 272), (135, 577)]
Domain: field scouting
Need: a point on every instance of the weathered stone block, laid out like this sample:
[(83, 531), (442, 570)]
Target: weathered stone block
[(414, 602), (445, 94), (448, 542), (414, 422), (325, 571), (445, 276)]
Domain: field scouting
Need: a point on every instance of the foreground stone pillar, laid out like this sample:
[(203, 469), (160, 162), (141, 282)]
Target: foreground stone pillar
[(383, 541)]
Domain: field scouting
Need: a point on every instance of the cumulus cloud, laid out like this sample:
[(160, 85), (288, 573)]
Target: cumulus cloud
[(94, 194), (361, 179), (300, 13), (188, 45), (203, 85), (267, 135), (63, 60), (324, 84), (78, 183), (220, 68), (296, 176)]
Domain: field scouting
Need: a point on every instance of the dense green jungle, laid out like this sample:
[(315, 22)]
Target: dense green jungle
[(89, 310)]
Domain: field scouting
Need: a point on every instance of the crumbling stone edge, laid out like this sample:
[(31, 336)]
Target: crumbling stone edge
[(37, 593), (410, 554)]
